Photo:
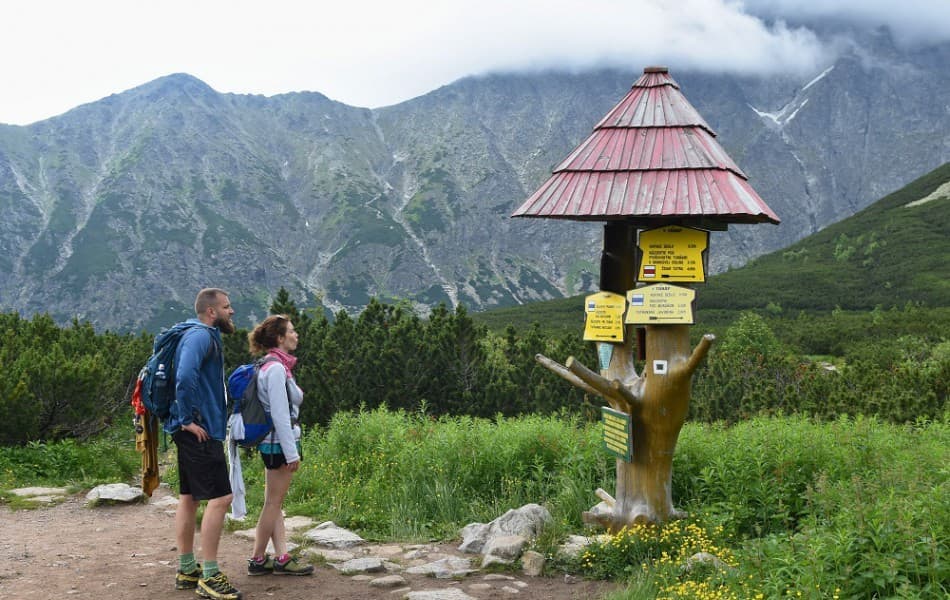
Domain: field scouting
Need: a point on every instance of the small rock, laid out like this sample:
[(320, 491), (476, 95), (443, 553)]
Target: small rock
[(27, 492), (479, 587), (447, 568), (532, 563), (510, 590), (491, 559), (390, 581), (330, 555), (333, 536), (361, 565), (448, 594)]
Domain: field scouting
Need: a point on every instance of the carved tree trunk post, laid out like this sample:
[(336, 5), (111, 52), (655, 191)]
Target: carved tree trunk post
[(657, 401), (681, 178), (644, 486)]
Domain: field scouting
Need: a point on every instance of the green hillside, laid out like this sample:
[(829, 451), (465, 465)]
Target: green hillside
[(895, 252)]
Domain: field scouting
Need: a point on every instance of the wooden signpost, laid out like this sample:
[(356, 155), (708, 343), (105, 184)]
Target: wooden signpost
[(659, 199)]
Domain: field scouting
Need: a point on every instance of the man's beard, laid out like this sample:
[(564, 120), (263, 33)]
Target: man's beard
[(225, 324)]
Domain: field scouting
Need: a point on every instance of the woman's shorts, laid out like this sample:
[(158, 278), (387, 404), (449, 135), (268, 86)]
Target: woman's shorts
[(273, 456)]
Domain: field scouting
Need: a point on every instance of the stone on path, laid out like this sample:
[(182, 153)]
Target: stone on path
[(111, 493), (329, 554), (361, 565), (447, 594), (390, 581), (527, 521), (532, 563), (331, 535), (41, 495), (447, 568)]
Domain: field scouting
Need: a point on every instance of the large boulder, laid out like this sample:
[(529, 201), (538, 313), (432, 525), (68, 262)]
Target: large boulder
[(527, 522)]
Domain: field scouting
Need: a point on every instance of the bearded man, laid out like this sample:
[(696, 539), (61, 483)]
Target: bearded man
[(198, 425)]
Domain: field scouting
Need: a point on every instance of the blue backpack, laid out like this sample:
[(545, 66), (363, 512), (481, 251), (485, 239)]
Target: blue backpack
[(242, 388), (158, 374)]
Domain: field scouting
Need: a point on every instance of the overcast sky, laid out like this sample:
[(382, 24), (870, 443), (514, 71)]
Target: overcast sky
[(55, 55)]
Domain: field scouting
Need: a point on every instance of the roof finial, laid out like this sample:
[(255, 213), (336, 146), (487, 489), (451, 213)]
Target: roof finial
[(656, 70)]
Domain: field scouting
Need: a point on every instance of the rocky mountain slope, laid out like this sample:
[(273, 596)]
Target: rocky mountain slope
[(119, 210)]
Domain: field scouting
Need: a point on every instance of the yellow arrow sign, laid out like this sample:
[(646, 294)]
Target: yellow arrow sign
[(660, 304), (604, 312), (672, 253)]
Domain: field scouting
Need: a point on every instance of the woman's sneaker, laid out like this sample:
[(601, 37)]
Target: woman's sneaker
[(218, 587), (263, 567), (187, 581), (292, 567)]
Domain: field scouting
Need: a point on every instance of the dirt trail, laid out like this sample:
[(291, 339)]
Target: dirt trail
[(118, 552)]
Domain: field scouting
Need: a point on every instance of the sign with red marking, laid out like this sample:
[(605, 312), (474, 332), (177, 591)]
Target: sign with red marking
[(672, 254)]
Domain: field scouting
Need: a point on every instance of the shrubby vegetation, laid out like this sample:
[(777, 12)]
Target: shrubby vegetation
[(72, 382), (63, 382), (751, 372)]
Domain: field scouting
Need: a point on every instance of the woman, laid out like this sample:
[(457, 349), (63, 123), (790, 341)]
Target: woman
[(276, 338)]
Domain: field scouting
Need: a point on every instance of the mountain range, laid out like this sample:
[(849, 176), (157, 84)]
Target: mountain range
[(118, 211)]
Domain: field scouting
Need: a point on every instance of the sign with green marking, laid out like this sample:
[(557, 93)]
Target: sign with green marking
[(618, 433)]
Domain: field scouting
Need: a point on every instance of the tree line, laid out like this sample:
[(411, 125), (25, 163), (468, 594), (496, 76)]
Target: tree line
[(72, 382)]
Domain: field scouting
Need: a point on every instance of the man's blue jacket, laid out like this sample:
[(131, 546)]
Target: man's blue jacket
[(199, 382)]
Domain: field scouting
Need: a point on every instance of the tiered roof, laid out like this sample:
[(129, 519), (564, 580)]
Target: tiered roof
[(652, 157)]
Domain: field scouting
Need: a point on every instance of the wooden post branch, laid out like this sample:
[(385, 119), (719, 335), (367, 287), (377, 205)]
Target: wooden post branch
[(614, 392), (699, 353), (562, 371)]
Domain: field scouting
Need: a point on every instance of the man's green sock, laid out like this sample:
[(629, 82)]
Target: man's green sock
[(209, 569), (187, 563)]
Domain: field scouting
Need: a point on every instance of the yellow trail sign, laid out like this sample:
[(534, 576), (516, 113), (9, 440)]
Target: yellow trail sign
[(672, 253), (604, 312), (660, 304)]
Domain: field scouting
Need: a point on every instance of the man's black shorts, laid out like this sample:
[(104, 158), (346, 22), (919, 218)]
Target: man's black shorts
[(202, 468)]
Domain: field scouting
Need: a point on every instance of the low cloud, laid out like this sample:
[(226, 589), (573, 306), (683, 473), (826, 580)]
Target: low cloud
[(912, 22), (378, 52)]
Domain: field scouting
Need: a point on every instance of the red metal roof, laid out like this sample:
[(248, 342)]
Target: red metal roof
[(651, 156)]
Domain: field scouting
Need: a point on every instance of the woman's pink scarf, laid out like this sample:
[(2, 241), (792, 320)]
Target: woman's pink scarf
[(288, 360)]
